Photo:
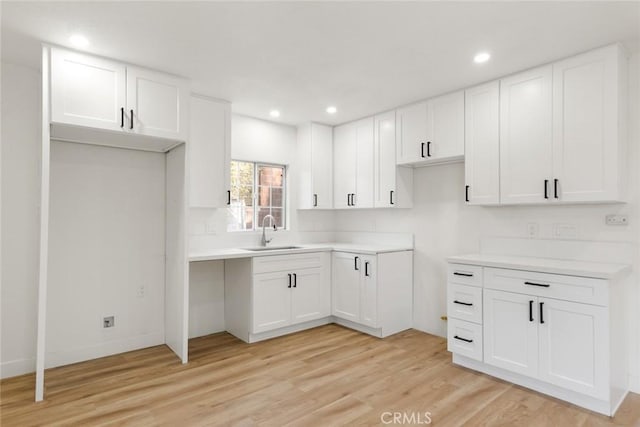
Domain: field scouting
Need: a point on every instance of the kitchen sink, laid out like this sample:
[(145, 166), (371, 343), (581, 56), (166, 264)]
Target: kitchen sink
[(272, 248)]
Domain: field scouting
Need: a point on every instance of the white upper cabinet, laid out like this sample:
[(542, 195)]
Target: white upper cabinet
[(411, 131), (587, 114), (431, 131), (353, 164), (525, 137), (315, 166), (87, 91), (97, 93), (445, 128), (482, 144), (393, 185), (209, 152), (157, 104)]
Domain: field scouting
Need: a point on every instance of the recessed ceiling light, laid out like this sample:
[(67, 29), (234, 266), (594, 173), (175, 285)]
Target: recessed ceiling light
[(332, 110), (274, 113), (78, 40), (481, 57)]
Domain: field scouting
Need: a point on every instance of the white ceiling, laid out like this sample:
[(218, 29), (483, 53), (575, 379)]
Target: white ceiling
[(363, 57)]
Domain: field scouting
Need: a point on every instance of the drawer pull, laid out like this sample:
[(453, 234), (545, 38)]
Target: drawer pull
[(455, 273), (542, 285), (462, 303), (462, 339)]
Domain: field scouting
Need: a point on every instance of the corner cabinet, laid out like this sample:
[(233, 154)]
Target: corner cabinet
[(558, 334), (209, 152), (431, 131), (393, 185), (315, 166), (373, 293), (274, 295), (353, 175)]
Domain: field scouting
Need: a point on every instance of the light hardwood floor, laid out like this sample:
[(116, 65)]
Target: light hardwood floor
[(327, 376)]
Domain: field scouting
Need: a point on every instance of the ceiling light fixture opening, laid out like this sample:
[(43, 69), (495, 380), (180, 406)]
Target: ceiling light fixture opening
[(332, 110), (481, 57), (274, 113)]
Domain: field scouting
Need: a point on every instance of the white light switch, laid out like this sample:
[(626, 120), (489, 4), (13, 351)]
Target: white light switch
[(616, 220)]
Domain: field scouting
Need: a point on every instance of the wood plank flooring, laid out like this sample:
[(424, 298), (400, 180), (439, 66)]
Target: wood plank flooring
[(328, 376)]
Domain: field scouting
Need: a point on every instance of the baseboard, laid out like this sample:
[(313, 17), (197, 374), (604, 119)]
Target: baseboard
[(287, 330), (109, 348), (376, 332), (13, 368), (634, 383)]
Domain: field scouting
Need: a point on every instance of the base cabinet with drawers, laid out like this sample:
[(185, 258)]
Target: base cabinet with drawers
[(557, 334), (273, 293), (373, 293)]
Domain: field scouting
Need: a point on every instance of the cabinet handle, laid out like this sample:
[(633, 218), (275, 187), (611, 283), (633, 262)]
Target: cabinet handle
[(555, 188), (530, 310), (349, 199), (462, 339), (355, 263), (422, 150), (131, 127), (546, 188), (391, 197), (353, 199), (428, 148), (366, 268), (228, 197), (315, 200), (466, 193), (122, 117), (289, 280), (462, 303), (541, 318), (295, 280), (455, 273), (542, 285)]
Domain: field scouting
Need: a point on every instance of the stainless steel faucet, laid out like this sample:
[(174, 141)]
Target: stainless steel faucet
[(264, 233)]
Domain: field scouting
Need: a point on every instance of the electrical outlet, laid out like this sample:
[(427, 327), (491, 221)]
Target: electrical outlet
[(108, 322), (211, 227), (565, 231), (616, 220), (533, 229), (141, 291)]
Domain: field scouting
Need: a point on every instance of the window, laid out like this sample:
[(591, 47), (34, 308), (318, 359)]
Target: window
[(257, 190)]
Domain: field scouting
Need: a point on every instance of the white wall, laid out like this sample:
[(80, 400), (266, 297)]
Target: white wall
[(444, 226), (20, 219)]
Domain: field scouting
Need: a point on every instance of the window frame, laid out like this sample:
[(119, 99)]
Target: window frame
[(255, 192)]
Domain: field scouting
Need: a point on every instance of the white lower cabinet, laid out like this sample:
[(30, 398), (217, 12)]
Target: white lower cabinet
[(373, 293), (557, 334)]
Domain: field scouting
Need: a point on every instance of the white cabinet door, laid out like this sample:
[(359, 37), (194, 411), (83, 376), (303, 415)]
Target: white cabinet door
[(158, 104), (573, 346), (271, 301), (346, 285), (209, 152), (310, 295), (511, 331), (344, 163), (526, 137), (369, 292), (445, 127), (482, 144), (411, 133), (385, 160), (585, 126), (87, 91), (322, 166), (363, 197)]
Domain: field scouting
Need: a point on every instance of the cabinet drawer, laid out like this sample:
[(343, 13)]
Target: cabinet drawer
[(273, 263), (464, 302), (464, 338), (465, 274), (570, 288)]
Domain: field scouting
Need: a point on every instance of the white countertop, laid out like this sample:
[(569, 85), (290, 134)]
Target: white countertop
[(229, 253), (547, 265)]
